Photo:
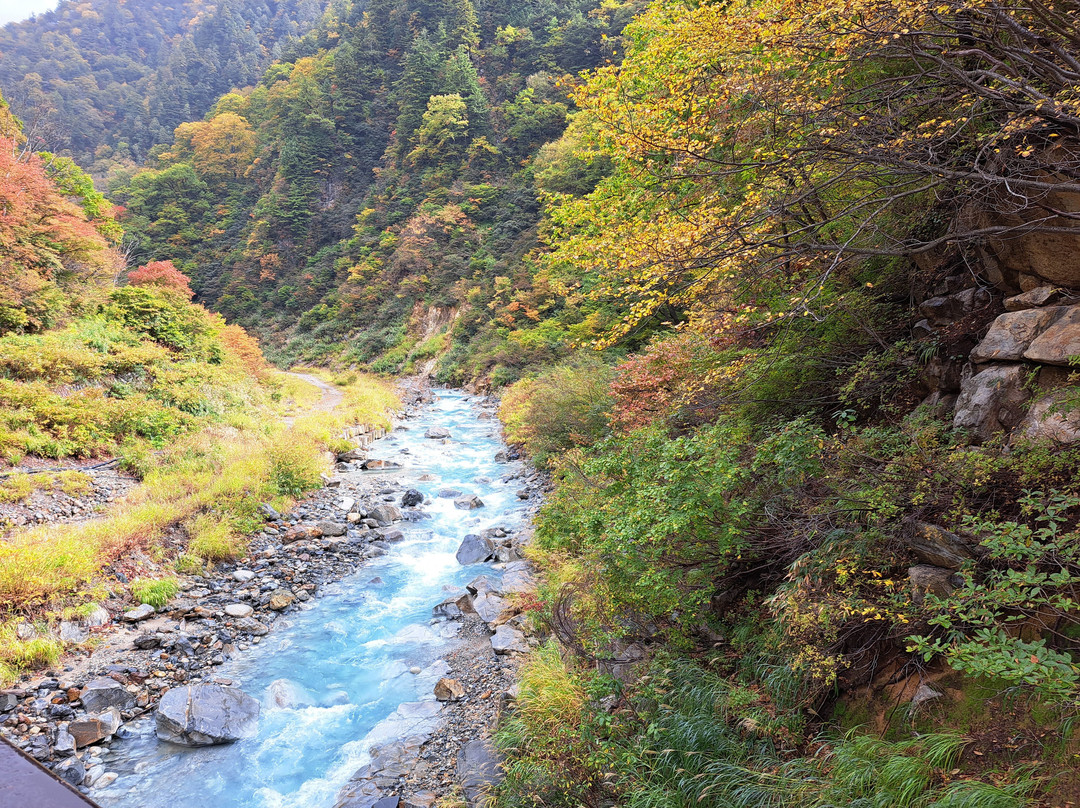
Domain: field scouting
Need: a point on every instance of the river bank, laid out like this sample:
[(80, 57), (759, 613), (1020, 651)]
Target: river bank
[(214, 629)]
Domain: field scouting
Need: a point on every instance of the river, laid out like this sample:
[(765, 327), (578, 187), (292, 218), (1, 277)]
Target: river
[(342, 665)]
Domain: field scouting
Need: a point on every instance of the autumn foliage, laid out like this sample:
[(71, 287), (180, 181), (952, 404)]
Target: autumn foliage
[(164, 275)]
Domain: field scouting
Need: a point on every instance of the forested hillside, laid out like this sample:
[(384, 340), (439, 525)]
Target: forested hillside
[(104, 81), (381, 189)]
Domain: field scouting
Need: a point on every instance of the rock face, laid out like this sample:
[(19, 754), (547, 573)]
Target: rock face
[(936, 545), (479, 770), (1048, 336), (929, 580), (1049, 419), (205, 715), (475, 549), (100, 694), (991, 400)]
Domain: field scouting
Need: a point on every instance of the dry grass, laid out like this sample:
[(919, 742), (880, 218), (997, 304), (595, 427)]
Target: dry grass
[(210, 483)]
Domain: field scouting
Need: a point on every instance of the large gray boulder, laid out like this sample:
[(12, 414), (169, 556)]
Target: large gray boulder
[(507, 640), (1011, 334), (1060, 341), (475, 550), (100, 694), (492, 609), (468, 503), (205, 715), (385, 513), (992, 400)]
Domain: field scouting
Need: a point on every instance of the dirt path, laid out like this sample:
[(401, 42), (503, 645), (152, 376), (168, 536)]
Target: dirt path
[(331, 396)]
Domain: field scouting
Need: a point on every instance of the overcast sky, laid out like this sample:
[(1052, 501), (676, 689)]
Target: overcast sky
[(11, 10)]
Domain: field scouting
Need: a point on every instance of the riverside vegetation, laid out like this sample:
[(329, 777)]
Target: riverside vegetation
[(783, 295), (185, 402)]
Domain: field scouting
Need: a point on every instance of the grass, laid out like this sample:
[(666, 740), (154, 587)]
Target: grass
[(19, 485), (155, 592), (209, 484)]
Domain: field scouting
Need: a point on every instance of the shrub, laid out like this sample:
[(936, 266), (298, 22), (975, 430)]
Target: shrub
[(564, 407), (155, 592)]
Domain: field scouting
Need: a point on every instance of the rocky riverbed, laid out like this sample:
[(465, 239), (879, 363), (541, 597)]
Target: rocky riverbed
[(76, 719)]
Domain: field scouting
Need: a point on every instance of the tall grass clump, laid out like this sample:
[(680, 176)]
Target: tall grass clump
[(156, 592)]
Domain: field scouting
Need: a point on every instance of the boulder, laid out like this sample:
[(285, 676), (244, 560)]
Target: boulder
[(517, 577), (205, 715), (453, 606), (72, 771), (380, 465), (949, 308), (936, 545), (927, 579), (251, 626), (281, 599), (1034, 298), (508, 640), (238, 610), (469, 503), (95, 728), (411, 498), (475, 550), (492, 609), (991, 400), (1050, 419), (139, 613), (301, 533), (437, 433), (329, 527), (73, 632), (269, 512), (501, 456), (385, 513), (449, 690), (98, 616), (100, 694), (479, 771), (1012, 333), (1059, 341), (481, 584)]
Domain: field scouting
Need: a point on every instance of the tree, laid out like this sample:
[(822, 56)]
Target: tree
[(442, 135), (163, 274)]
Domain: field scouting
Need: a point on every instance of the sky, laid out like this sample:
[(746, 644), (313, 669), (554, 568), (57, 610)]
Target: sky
[(11, 10)]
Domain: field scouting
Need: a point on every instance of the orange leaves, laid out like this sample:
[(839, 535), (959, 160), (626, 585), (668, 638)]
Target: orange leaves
[(162, 274)]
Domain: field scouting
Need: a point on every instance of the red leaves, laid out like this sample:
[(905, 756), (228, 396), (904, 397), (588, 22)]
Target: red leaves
[(163, 274)]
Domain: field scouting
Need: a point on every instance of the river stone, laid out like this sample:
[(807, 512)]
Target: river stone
[(449, 690), (385, 513), (8, 702), (379, 465), (73, 632), (509, 640), (243, 576), (474, 550), (936, 545), (329, 527), (479, 770), (71, 771), (139, 613), (95, 728), (281, 599), (491, 608), (100, 694), (481, 584), (437, 432), (301, 533), (411, 498), (205, 715), (453, 606), (251, 626), (65, 743), (991, 400), (469, 503), (238, 610)]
